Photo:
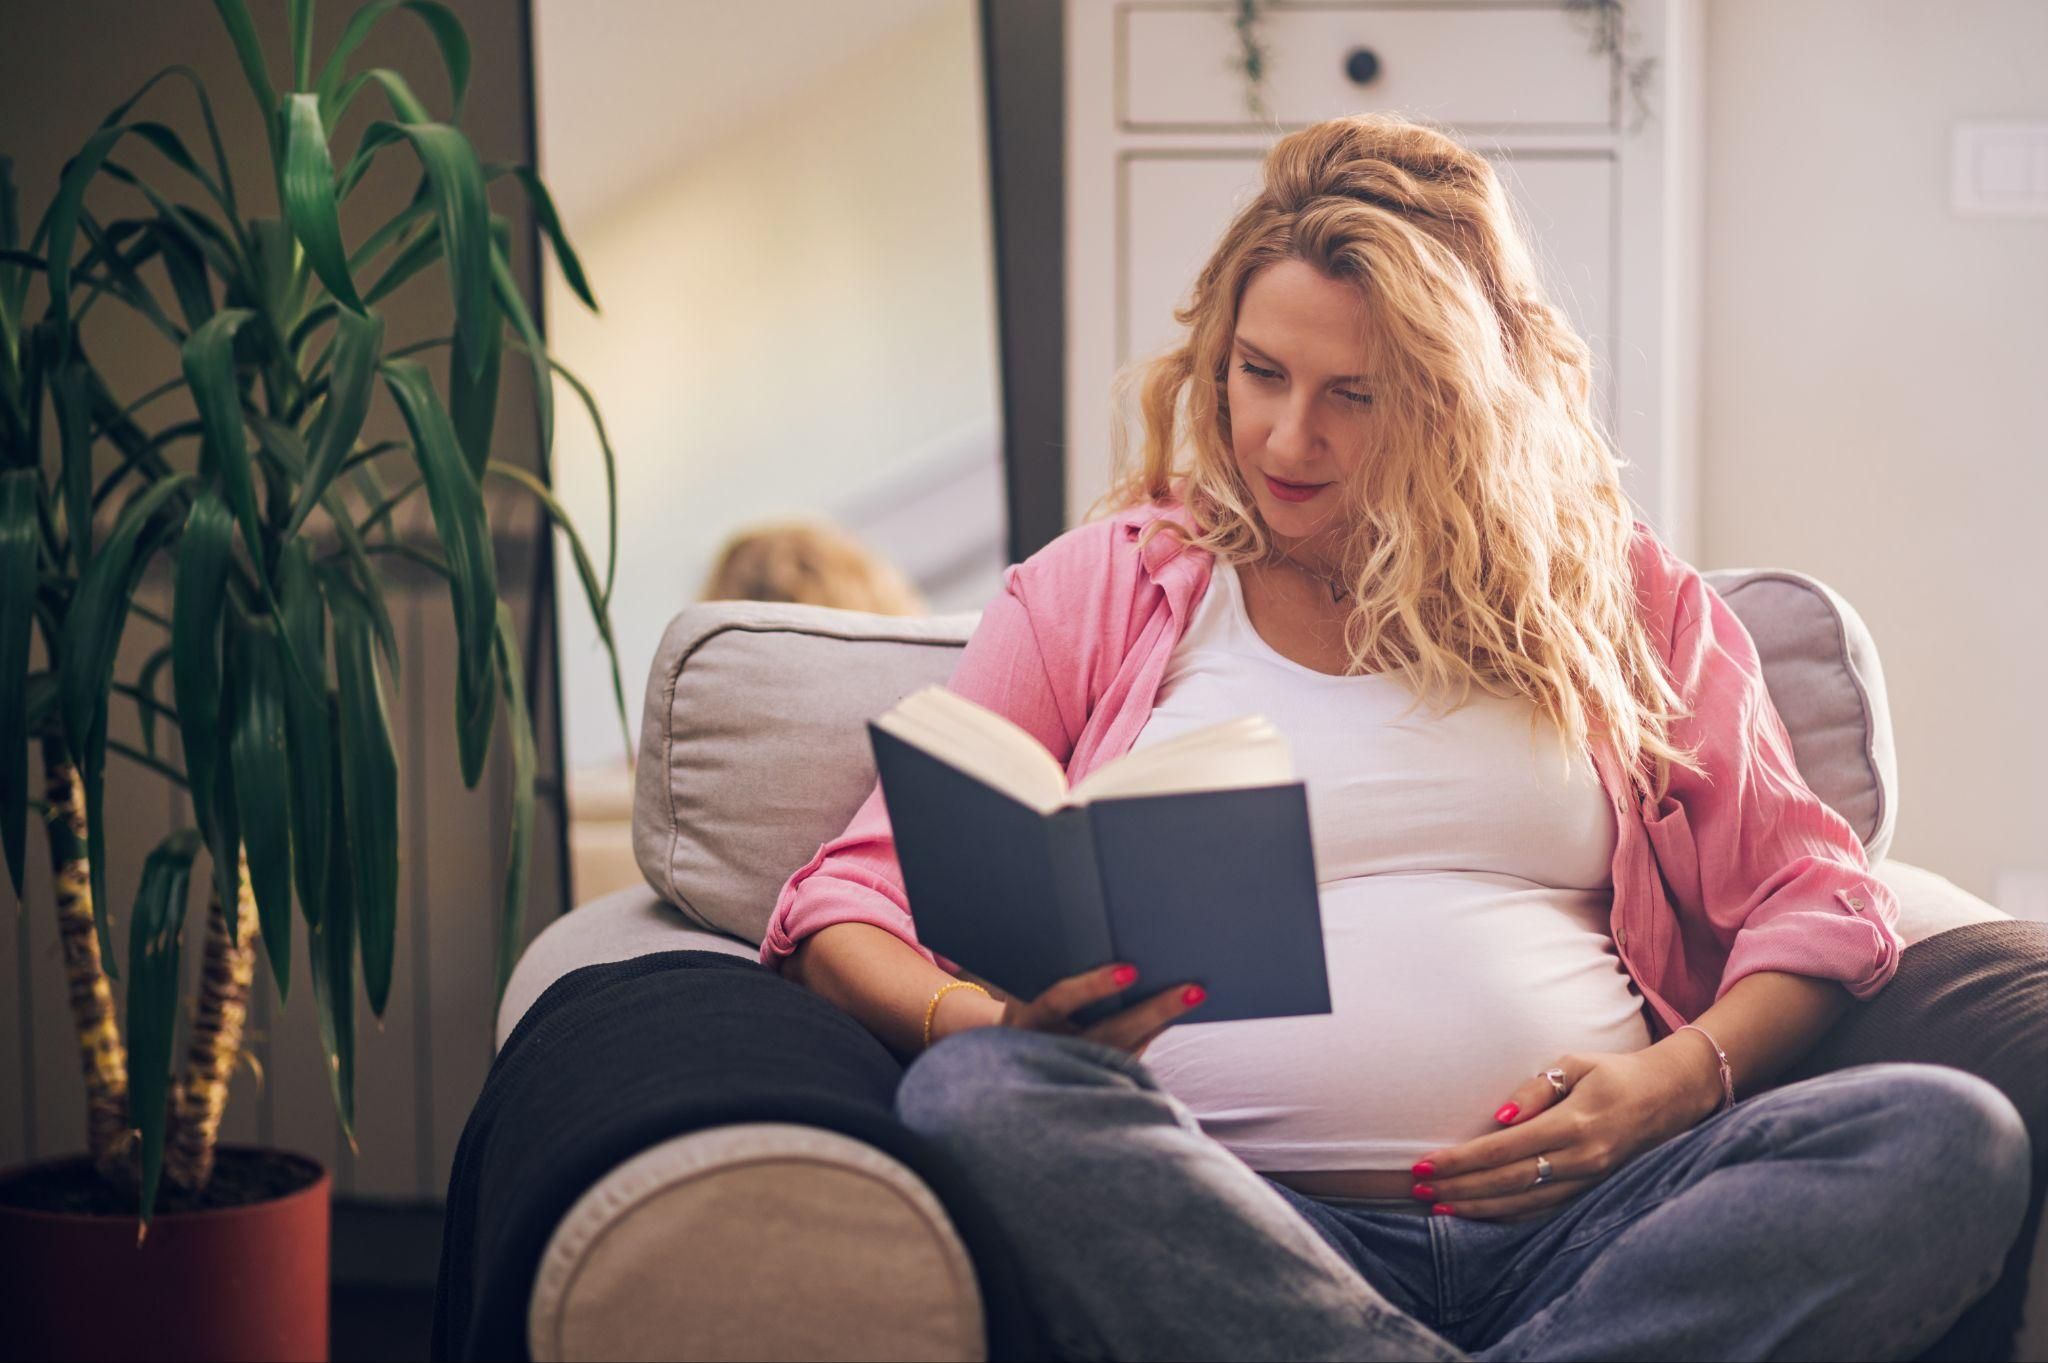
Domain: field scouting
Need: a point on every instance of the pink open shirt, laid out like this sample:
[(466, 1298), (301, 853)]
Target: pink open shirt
[(1747, 871)]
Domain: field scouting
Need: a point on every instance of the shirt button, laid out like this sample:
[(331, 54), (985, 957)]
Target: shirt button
[(1621, 937), (1855, 903)]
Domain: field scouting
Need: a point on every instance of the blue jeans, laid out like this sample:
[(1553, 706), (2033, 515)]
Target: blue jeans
[(1854, 1215)]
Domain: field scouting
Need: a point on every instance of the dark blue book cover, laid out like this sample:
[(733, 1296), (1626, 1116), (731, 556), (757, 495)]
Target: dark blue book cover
[(1212, 887)]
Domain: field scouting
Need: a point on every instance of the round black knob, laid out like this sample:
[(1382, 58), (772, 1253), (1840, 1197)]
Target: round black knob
[(1363, 66)]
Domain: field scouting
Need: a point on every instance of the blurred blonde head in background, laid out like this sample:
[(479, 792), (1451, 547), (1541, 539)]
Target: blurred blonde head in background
[(808, 560)]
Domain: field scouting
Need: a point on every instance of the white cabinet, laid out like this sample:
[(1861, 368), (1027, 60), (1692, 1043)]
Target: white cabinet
[(1161, 151)]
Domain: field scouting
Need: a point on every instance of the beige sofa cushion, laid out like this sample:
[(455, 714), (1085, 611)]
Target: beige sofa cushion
[(754, 745)]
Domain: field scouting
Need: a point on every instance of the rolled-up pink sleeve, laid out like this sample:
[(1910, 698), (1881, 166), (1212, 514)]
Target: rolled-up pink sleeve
[(855, 878), (1784, 879)]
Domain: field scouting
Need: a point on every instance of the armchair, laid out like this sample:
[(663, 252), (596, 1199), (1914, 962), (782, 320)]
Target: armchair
[(765, 1237)]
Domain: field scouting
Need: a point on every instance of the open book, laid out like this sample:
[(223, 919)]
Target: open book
[(1189, 858)]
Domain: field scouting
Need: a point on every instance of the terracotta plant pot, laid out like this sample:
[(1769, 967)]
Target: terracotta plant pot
[(229, 1282)]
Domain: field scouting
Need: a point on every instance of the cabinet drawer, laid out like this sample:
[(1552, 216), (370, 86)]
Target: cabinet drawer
[(1508, 66)]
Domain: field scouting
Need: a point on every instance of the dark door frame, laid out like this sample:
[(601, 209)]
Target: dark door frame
[(1023, 49)]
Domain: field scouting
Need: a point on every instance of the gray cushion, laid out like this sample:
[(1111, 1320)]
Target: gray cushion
[(754, 745), (1821, 667)]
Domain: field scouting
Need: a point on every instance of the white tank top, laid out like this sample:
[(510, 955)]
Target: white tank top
[(1465, 886)]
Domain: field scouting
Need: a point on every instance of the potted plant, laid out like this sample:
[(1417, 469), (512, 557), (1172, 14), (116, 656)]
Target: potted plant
[(272, 513)]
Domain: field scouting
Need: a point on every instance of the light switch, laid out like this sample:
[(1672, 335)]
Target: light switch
[(2000, 170)]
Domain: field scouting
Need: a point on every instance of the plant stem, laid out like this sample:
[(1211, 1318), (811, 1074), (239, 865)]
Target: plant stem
[(198, 1102), (101, 1055), (168, 772)]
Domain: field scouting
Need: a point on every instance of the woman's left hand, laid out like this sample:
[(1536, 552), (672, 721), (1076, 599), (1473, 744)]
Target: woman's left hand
[(1616, 1106)]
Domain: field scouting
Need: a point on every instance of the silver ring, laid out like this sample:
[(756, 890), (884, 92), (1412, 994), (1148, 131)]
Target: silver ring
[(1542, 1172), (1556, 1078)]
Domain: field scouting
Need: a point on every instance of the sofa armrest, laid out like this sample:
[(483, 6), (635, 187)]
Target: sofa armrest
[(757, 1240)]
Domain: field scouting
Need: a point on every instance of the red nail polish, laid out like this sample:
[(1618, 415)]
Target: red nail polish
[(1193, 995), (1123, 975), (1442, 1209), (1507, 1112), (1423, 1191), (1423, 1168)]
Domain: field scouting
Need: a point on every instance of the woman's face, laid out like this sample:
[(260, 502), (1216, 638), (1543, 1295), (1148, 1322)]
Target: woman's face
[(1301, 394)]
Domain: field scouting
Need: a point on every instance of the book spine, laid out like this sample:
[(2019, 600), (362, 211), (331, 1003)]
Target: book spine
[(1084, 911)]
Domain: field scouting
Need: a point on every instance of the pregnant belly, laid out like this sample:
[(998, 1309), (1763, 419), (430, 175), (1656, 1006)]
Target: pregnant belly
[(1446, 993)]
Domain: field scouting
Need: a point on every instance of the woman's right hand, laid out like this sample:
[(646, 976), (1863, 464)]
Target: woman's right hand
[(1131, 1030)]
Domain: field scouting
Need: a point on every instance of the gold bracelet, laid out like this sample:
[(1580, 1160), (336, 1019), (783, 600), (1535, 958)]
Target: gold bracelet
[(931, 1010), (1721, 1059)]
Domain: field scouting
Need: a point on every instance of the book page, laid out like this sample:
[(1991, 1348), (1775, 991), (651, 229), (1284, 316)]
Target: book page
[(981, 743), (1240, 752)]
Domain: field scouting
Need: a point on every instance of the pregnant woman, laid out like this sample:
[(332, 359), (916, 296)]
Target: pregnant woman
[(1579, 907)]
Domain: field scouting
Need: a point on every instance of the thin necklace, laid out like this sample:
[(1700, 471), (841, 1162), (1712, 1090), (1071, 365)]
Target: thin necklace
[(1337, 592)]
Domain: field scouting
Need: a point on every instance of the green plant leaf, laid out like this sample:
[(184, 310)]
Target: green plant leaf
[(63, 223), (68, 398), (206, 236), (543, 205), (600, 611), (153, 980), (18, 529), (447, 31), (422, 251), (12, 274), (359, 558), (198, 598), (405, 107), (369, 783), (186, 269), (513, 306), (611, 470), (457, 502), (277, 283), (518, 861), (120, 277), (302, 44), (147, 705), (209, 363), (263, 782), (242, 31), (463, 214), (358, 343), (227, 816), (303, 615), (172, 147), (473, 398), (331, 943), (307, 193), (223, 189), (303, 329), (87, 647)]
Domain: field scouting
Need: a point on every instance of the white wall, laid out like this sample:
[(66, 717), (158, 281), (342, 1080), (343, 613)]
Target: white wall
[(1876, 380), (793, 316)]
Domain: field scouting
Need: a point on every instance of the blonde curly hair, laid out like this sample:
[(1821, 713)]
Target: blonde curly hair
[(1490, 539), (807, 559)]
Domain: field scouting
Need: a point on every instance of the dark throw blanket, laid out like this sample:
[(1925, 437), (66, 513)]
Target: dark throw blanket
[(1974, 998), (616, 1058)]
